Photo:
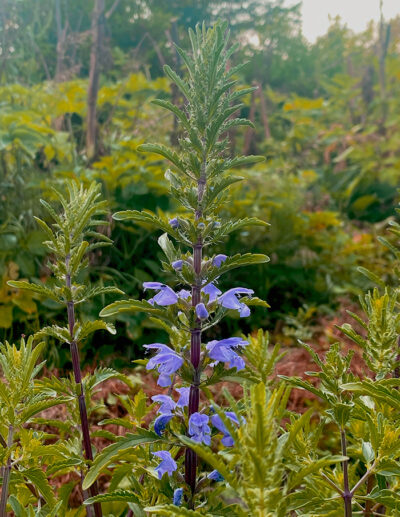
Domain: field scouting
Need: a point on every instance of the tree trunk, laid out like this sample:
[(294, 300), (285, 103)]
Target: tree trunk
[(94, 76)]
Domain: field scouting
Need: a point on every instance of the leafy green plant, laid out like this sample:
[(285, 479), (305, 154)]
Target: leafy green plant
[(69, 241), (23, 450)]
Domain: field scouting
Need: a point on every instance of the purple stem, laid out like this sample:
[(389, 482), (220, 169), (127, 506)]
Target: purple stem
[(87, 445), (347, 494), (195, 340)]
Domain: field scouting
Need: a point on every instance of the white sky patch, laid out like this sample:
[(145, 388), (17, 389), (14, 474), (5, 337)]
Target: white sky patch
[(354, 13)]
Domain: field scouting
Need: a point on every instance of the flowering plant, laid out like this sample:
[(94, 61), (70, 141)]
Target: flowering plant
[(194, 303)]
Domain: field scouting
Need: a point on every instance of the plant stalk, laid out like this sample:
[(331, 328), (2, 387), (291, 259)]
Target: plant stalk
[(195, 339), (347, 494), (6, 475), (87, 445)]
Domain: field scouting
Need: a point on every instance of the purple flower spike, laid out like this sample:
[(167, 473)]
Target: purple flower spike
[(161, 422), (178, 493), (174, 223), (215, 476), (201, 311), (219, 259), (184, 294), (199, 430), (229, 300), (217, 422), (167, 465), (183, 400), (222, 351), (165, 296), (177, 264), (212, 291), (167, 360), (167, 404)]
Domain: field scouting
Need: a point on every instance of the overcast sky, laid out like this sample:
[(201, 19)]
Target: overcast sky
[(355, 13)]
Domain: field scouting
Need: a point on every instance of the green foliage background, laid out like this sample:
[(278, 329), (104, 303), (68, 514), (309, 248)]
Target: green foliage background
[(329, 134)]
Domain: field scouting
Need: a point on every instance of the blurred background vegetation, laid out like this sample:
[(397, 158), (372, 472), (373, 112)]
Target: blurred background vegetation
[(76, 81)]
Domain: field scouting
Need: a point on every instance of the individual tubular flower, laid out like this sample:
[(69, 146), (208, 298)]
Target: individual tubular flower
[(165, 295), (222, 351), (178, 493), (199, 430), (212, 291), (174, 223), (201, 311), (230, 300), (215, 476), (184, 294), (167, 360), (177, 264), (183, 400), (167, 404), (161, 422), (167, 465), (217, 422), (219, 259)]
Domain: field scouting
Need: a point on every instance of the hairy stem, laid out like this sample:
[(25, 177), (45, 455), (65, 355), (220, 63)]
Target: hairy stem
[(87, 445), (195, 338), (6, 475), (347, 494)]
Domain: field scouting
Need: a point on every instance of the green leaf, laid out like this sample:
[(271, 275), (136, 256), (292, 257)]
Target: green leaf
[(33, 409), (39, 479), (212, 459), (167, 247), (117, 495), (163, 151), (131, 306), (236, 261), (91, 326), (316, 465), (173, 109), (118, 450), (40, 289), (171, 510)]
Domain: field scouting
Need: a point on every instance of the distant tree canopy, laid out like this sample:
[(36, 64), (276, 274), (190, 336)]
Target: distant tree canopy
[(51, 39)]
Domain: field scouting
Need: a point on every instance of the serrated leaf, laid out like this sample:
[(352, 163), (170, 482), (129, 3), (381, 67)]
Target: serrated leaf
[(113, 451), (40, 289), (131, 306), (39, 479), (236, 261), (117, 495), (91, 326)]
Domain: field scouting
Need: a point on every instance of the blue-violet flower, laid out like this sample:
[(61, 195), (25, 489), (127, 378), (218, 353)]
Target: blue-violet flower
[(201, 311), (212, 291), (221, 351), (161, 422), (183, 400), (177, 264), (167, 360), (229, 300), (165, 295), (217, 422), (167, 404), (215, 476), (174, 223), (167, 465), (199, 430), (219, 259), (178, 493)]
